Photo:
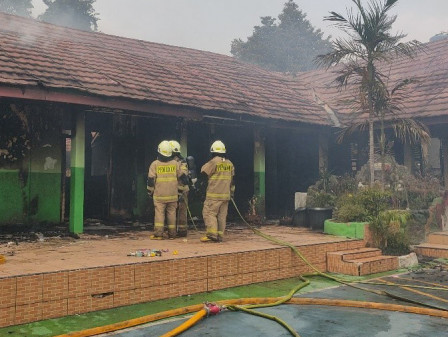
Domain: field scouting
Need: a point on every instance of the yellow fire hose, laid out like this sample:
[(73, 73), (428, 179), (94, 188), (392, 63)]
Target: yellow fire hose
[(187, 324), (336, 279), (259, 301), (247, 304)]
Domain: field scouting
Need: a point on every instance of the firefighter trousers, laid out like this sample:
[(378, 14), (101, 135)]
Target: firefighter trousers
[(161, 209), (215, 215), (182, 218)]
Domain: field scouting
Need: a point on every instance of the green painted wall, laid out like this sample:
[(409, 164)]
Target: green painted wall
[(37, 196), (350, 229), (11, 200), (45, 197), (38, 201)]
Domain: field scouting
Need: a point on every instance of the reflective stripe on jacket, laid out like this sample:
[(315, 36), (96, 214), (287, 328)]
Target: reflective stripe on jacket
[(220, 172), (165, 176)]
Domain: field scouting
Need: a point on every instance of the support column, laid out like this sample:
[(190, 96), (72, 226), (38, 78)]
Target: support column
[(407, 149), (323, 153), (183, 139), (444, 145), (77, 174), (272, 184), (260, 170)]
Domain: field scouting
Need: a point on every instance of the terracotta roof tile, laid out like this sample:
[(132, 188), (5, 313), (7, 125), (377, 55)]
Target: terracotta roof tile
[(428, 97), (34, 53)]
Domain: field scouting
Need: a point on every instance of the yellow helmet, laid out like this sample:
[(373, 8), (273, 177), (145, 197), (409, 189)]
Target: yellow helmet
[(218, 147), (165, 149), (175, 146)]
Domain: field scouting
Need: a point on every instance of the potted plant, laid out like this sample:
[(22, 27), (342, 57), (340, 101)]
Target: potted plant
[(321, 197), (319, 206)]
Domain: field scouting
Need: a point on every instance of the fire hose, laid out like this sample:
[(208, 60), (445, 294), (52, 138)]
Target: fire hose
[(263, 301), (246, 305), (318, 272)]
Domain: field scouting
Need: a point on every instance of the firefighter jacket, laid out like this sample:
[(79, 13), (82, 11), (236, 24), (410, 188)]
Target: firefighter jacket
[(220, 172), (165, 175)]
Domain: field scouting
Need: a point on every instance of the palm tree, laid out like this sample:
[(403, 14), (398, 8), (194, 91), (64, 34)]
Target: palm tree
[(369, 44)]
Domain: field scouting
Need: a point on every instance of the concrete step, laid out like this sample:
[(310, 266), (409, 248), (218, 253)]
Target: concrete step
[(357, 253), (376, 264), (440, 238), (361, 261), (432, 250)]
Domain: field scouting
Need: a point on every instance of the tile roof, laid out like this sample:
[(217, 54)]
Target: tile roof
[(428, 97), (37, 54)]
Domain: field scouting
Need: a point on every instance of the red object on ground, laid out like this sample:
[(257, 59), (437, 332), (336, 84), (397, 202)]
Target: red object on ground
[(212, 309)]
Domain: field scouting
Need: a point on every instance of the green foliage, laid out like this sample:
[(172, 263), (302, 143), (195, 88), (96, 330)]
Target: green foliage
[(362, 205), (374, 199), (421, 191), (389, 230), (17, 7), (407, 190), (344, 184), (349, 209), (78, 14), (289, 46), (370, 42), (351, 213), (320, 199), (328, 188)]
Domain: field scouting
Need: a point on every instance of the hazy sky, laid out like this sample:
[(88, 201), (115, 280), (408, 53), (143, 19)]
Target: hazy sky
[(212, 24)]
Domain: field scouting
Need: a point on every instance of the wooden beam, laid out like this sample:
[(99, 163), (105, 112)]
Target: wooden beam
[(97, 101)]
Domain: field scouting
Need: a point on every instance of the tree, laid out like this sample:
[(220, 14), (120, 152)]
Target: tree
[(438, 37), (17, 7), (289, 46), (78, 14), (369, 44)]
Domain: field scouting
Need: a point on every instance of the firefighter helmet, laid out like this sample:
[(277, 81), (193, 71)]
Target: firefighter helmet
[(218, 147), (175, 146), (165, 149)]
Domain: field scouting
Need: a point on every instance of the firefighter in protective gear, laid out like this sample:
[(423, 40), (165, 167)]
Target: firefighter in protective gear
[(182, 220), (164, 175), (220, 172)]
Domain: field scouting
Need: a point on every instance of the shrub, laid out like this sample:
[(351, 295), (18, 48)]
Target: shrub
[(374, 200), (362, 205), (350, 213), (389, 231), (320, 199), (328, 188), (407, 190)]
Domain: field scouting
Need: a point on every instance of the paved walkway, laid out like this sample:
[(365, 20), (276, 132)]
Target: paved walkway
[(93, 250)]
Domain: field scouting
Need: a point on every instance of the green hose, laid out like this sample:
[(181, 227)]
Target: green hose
[(191, 218), (247, 308), (271, 317), (336, 279)]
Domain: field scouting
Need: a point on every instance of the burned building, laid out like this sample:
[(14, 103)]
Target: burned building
[(85, 111)]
